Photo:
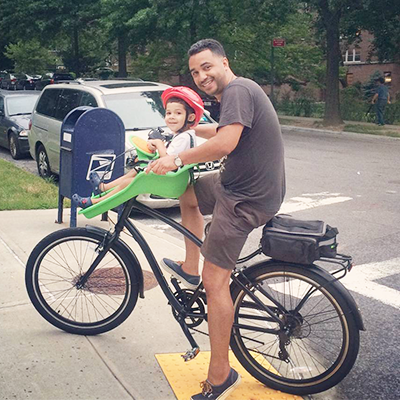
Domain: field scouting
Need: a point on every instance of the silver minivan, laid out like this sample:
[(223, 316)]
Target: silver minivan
[(137, 103)]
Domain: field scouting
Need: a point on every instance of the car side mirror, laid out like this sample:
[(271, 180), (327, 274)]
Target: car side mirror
[(1, 113)]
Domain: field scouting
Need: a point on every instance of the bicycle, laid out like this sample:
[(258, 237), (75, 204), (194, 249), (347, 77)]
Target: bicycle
[(296, 327)]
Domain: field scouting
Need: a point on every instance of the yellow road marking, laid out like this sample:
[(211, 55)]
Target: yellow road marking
[(185, 377)]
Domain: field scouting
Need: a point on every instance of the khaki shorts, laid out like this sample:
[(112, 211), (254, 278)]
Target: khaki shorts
[(232, 221)]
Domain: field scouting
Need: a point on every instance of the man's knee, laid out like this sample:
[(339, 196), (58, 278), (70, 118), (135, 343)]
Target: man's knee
[(215, 278), (189, 200)]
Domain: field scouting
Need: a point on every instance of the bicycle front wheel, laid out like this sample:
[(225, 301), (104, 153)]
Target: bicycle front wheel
[(52, 280), (318, 343)]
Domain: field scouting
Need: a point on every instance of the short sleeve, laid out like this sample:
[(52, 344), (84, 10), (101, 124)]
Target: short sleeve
[(237, 106), (180, 143)]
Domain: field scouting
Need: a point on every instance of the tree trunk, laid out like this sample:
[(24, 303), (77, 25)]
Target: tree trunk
[(76, 52), (122, 68), (331, 20)]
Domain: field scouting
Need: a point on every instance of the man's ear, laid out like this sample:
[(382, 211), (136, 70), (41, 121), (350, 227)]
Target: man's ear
[(191, 117)]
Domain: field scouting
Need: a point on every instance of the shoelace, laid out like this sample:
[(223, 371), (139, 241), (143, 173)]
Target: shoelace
[(206, 388)]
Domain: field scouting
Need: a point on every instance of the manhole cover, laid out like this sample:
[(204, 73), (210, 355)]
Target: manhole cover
[(112, 281)]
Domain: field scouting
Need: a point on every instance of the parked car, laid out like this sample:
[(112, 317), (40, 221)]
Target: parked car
[(137, 103), (26, 82), (50, 78), (2, 75), (8, 82), (15, 113)]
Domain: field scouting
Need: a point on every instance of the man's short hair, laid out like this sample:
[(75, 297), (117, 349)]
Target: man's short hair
[(207, 44), (380, 79)]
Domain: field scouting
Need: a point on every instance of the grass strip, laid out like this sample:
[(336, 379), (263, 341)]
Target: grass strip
[(20, 190), (371, 130)]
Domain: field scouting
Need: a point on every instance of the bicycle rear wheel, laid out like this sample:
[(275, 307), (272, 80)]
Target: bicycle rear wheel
[(320, 341), (52, 281)]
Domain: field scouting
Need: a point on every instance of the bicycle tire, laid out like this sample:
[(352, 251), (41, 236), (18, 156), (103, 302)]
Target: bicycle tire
[(324, 339), (53, 269)]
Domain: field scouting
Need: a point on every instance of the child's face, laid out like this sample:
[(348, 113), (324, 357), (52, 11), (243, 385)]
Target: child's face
[(175, 116)]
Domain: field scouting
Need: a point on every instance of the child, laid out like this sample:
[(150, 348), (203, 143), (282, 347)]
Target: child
[(183, 110)]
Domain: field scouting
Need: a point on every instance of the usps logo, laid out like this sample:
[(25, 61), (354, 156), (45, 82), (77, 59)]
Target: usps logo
[(102, 164)]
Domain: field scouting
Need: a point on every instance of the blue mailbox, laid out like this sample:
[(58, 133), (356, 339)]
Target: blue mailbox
[(91, 140)]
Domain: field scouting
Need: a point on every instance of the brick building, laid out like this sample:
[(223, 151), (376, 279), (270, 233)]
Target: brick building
[(361, 64)]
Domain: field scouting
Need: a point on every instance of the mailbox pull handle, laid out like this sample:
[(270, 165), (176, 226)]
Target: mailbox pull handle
[(65, 148)]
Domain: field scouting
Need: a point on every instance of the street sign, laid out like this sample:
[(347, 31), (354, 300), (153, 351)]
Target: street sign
[(278, 42)]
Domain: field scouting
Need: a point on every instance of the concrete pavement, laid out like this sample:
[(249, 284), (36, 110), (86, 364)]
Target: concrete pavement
[(41, 362)]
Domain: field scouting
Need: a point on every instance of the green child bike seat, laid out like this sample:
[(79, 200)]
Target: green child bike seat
[(171, 185)]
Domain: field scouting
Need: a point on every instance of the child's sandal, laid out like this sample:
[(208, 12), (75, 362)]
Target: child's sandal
[(95, 181), (82, 202)]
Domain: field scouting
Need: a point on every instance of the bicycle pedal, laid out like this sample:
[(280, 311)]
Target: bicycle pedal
[(190, 354)]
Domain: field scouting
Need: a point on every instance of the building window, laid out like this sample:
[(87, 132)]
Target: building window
[(388, 77), (352, 56)]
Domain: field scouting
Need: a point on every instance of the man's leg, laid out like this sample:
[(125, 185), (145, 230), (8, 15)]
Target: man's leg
[(192, 220), (220, 320), (379, 113)]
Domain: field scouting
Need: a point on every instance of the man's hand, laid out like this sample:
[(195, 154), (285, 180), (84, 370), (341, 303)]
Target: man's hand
[(162, 165)]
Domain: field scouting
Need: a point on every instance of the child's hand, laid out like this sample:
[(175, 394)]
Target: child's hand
[(151, 145)]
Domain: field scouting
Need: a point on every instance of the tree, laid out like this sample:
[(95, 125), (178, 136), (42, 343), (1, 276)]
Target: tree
[(127, 23), (382, 18), (29, 57), (244, 27), (332, 18), (51, 21)]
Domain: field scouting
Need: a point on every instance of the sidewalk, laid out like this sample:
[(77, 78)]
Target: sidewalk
[(40, 362), (315, 124)]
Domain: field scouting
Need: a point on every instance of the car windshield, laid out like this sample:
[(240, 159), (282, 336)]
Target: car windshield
[(141, 110), (20, 105)]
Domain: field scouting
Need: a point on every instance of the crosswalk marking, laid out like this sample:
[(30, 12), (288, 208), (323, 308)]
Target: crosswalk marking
[(299, 203), (311, 200), (362, 279)]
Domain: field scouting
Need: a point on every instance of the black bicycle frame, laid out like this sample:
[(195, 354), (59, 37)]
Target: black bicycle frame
[(181, 311)]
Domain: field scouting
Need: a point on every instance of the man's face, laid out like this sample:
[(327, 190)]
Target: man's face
[(209, 72)]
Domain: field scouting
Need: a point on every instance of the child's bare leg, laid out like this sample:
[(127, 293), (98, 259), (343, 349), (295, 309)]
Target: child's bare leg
[(124, 182), (116, 182)]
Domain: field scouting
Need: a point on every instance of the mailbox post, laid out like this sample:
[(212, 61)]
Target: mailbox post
[(91, 140)]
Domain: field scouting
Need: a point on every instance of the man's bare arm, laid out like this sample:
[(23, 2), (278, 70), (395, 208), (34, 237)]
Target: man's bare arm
[(215, 148), (206, 131)]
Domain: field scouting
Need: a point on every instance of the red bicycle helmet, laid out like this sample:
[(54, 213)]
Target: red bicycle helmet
[(188, 95)]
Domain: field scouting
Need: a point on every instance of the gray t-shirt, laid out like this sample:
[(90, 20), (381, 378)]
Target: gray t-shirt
[(254, 171)]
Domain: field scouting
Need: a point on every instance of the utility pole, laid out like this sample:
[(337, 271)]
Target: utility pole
[(272, 73), (276, 42)]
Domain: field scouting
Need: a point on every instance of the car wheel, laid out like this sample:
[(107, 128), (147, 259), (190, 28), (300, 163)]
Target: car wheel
[(14, 146), (43, 164)]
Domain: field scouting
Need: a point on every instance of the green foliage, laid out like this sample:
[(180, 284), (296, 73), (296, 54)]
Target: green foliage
[(352, 105), (369, 87), (29, 57), (382, 18), (392, 113), (302, 105)]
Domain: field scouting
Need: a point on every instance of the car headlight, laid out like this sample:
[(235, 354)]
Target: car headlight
[(23, 133)]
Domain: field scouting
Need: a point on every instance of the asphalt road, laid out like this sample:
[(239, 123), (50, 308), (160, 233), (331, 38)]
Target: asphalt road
[(352, 182)]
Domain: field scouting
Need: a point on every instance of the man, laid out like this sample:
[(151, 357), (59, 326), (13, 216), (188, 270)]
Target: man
[(381, 98), (246, 194)]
